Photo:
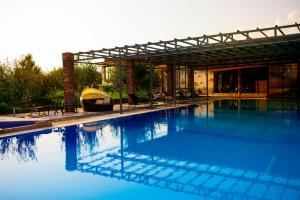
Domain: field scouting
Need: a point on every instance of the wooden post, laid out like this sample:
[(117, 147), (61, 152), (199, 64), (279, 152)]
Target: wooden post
[(151, 83), (191, 81), (120, 83), (103, 75), (239, 81), (161, 85), (131, 85), (207, 83), (170, 79), (174, 81)]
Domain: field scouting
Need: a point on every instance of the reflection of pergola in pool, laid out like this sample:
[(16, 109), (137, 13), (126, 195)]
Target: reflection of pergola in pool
[(267, 46), (183, 175)]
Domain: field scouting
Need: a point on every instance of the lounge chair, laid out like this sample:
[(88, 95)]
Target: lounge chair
[(168, 99), (45, 105), (181, 94), (94, 100), (155, 99), (136, 100)]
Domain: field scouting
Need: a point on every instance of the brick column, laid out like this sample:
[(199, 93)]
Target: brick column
[(69, 82), (170, 80), (131, 85)]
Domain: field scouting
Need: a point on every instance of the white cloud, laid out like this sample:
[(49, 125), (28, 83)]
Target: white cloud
[(292, 17)]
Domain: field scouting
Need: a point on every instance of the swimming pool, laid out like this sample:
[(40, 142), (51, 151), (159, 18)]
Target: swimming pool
[(222, 150), (12, 124)]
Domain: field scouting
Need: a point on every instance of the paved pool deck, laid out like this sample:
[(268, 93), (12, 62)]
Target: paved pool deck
[(45, 121)]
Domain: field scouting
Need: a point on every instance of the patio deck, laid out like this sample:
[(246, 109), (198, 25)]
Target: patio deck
[(67, 119)]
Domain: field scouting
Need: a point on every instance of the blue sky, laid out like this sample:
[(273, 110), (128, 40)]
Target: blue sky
[(48, 28)]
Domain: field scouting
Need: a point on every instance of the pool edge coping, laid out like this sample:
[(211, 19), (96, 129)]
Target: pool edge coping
[(58, 123)]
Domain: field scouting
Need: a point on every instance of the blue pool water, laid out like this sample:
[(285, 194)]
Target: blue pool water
[(12, 124), (221, 150)]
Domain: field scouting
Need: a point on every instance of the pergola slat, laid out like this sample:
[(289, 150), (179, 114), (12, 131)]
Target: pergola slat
[(212, 49)]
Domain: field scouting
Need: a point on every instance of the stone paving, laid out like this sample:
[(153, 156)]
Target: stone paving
[(63, 119), (58, 120)]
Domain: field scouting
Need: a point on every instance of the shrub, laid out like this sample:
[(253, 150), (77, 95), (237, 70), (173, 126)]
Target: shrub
[(142, 94), (4, 108), (107, 88), (56, 95), (116, 95)]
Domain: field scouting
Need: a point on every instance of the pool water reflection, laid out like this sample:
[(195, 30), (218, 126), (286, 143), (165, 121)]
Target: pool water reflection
[(221, 150)]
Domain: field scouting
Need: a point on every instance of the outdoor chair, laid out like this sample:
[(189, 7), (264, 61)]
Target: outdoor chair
[(181, 94), (147, 103), (134, 100), (155, 99), (43, 105), (59, 105), (198, 93), (94, 100), (97, 105), (168, 99)]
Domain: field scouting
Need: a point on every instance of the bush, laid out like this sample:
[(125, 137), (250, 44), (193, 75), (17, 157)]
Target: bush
[(142, 94), (4, 108), (116, 95), (107, 88), (56, 95)]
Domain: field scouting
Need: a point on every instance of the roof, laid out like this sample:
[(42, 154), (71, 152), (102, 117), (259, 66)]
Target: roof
[(274, 45)]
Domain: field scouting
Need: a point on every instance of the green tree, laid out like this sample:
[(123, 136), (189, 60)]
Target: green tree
[(5, 83), (54, 84), (27, 80), (86, 75), (142, 77), (23, 80), (54, 80), (142, 74), (114, 77)]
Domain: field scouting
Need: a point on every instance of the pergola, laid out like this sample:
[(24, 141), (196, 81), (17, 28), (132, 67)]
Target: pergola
[(274, 45)]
